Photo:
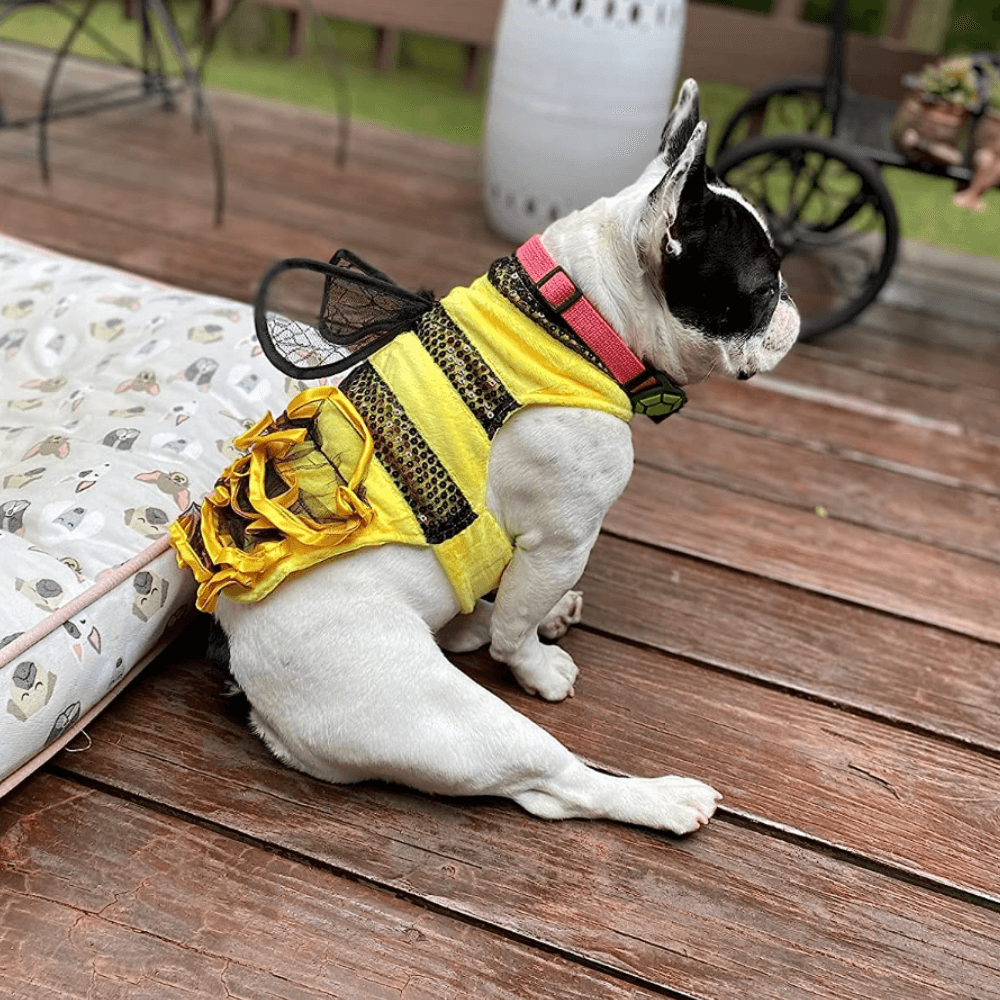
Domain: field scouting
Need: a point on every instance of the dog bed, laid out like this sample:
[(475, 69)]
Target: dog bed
[(120, 399)]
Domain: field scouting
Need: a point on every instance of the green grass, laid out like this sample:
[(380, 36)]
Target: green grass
[(424, 94)]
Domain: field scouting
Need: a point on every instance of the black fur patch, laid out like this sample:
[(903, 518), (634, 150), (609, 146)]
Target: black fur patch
[(217, 646), (725, 282)]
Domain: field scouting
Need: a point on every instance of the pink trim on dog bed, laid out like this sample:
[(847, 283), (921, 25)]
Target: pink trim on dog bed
[(107, 581)]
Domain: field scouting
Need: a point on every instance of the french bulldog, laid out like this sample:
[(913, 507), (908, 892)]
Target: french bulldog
[(343, 664)]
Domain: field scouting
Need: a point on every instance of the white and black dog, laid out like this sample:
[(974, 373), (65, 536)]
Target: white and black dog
[(343, 663)]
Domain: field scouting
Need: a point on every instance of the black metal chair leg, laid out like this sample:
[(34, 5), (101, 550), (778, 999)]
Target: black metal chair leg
[(50, 86), (202, 114)]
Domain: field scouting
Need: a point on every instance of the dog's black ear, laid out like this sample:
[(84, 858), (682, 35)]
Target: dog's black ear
[(681, 124), (686, 178)]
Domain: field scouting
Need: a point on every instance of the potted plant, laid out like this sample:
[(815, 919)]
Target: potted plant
[(938, 105)]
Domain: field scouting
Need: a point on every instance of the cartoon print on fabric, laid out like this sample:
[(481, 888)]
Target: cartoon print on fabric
[(108, 329), (148, 520), (102, 442), (53, 384), (44, 593), (81, 635), (75, 399), (12, 515), (151, 591), (54, 444), (11, 342), (145, 381), (181, 412), (71, 518), (174, 484), (207, 334), (199, 373), (86, 478), (31, 689), (74, 565), (25, 404), (129, 302), (17, 310), (64, 720), (121, 438), (18, 479)]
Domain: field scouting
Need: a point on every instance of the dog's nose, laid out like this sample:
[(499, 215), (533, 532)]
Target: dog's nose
[(743, 376)]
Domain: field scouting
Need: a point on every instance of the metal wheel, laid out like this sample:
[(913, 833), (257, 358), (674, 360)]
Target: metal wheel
[(798, 104), (832, 218)]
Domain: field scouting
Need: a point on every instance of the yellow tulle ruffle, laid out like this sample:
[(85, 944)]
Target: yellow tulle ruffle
[(250, 569)]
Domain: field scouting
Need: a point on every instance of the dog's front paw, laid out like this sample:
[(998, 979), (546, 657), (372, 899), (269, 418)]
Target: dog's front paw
[(550, 673), (568, 611)]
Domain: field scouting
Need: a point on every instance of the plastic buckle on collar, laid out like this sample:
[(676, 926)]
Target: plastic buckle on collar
[(652, 394), (563, 283)]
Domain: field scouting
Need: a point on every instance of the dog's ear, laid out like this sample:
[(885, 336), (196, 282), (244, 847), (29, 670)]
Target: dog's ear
[(681, 124), (685, 178)]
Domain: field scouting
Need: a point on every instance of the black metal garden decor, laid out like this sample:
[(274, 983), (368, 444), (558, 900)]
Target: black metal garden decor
[(808, 152)]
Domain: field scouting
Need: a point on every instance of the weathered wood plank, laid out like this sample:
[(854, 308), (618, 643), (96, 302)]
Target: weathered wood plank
[(262, 164), (851, 427), (103, 898), (932, 287), (218, 270), (800, 765), (662, 909), (261, 239), (976, 414), (865, 494), (918, 358), (936, 332), (917, 675), (786, 760), (308, 128), (831, 557)]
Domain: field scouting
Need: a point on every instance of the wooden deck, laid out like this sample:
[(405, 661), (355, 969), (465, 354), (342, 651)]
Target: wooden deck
[(797, 599)]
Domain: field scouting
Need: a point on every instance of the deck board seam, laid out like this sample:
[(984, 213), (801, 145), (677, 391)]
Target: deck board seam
[(756, 823), (847, 454), (707, 479), (709, 560), (802, 693), (830, 356)]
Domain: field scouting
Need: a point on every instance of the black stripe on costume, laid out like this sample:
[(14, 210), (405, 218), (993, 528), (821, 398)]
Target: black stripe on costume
[(426, 485), (479, 387), (510, 279)]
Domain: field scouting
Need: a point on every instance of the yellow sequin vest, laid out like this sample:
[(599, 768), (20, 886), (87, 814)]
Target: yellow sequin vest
[(397, 454)]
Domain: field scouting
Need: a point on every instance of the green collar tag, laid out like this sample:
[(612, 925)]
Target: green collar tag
[(654, 395)]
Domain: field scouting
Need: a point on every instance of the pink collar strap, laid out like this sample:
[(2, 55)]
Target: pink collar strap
[(651, 392)]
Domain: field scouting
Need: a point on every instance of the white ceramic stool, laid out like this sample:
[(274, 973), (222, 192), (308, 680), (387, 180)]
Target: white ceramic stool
[(579, 92)]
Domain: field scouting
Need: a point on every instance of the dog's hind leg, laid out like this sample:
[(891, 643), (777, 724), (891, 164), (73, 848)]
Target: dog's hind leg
[(459, 739), (384, 702)]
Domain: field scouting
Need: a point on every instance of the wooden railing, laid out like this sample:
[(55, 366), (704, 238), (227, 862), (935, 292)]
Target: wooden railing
[(471, 22), (723, 44)]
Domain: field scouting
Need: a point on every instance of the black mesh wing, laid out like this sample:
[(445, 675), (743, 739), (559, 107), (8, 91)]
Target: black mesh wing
[(315, 320)]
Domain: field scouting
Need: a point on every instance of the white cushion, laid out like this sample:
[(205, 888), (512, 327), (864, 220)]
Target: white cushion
[(120, 399)]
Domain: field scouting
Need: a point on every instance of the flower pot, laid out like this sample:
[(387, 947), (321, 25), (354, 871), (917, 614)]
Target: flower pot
[(928, 129), (578, 95)]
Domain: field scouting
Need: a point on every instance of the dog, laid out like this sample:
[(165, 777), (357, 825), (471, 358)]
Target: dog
[(343, 661)]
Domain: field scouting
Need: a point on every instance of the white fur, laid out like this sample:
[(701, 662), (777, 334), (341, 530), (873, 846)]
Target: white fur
[(343, 665)]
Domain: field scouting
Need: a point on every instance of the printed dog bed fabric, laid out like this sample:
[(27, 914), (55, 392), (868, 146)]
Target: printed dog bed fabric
[(120, 399)]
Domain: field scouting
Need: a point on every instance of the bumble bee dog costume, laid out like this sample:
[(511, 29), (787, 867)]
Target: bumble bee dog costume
[(399, 452)]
